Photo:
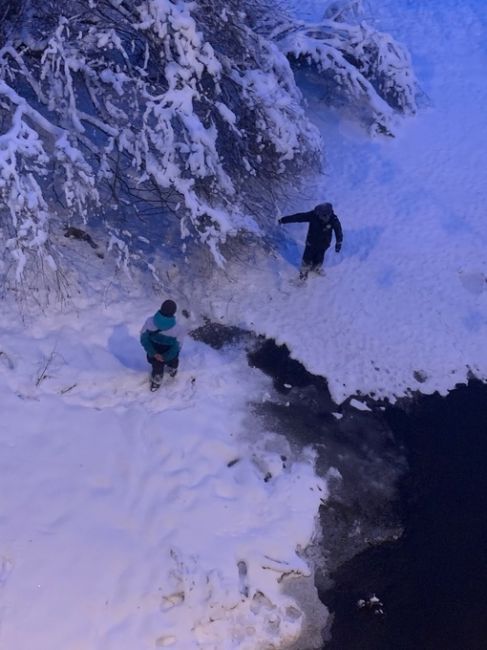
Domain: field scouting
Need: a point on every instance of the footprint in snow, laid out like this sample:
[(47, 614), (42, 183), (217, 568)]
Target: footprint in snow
[(243, 578)]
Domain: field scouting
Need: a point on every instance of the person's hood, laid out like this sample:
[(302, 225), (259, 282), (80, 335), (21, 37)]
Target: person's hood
[(163, 322), (324, 211)]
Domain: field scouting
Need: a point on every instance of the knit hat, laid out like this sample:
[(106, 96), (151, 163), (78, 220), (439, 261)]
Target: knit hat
[(168, 308)]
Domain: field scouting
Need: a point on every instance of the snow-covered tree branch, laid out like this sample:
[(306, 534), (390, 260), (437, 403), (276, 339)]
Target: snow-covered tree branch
[(363, 69), (161, 116)]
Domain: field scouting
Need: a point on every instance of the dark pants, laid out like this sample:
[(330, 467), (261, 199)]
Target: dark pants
[(312, 259), (158, 367)]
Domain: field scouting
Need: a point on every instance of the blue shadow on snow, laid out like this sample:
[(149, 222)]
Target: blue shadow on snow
[(126, 348), (356, 243)]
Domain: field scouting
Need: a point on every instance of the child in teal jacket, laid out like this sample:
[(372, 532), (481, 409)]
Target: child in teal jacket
[(161, 338)]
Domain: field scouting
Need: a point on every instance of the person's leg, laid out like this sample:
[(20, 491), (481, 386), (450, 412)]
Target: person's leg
[(157, 369), (306, 262), (173, 366), (318, 257)]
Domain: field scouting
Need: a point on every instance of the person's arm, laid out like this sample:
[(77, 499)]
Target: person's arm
[(170, 345), (299, 217), (145, 339), (173, 351), (337, 229)]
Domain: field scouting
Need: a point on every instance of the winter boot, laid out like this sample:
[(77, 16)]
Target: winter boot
[(156, 381)]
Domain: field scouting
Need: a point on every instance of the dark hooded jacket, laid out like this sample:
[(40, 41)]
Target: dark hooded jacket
[(322, 222)]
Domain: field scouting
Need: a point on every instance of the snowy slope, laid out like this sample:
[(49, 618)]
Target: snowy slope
[(404, 306), (139, 520)]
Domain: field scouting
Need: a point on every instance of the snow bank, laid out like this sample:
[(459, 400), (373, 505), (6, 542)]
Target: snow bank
[(140, 520)]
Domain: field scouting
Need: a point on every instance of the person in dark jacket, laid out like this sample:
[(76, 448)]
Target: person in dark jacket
[(322, 223), (161, 338)]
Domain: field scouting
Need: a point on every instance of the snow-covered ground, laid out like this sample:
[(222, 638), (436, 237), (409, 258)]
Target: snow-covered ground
[(124, 520), (139, 520), (404, 305)]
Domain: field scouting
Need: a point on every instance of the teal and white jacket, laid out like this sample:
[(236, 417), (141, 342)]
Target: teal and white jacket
[(162, 335)]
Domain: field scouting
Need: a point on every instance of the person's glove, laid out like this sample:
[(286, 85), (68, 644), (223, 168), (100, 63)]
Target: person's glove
[(338, 246)]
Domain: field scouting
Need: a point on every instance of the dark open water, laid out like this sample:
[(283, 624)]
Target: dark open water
[(433, 580), (407, 521)]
